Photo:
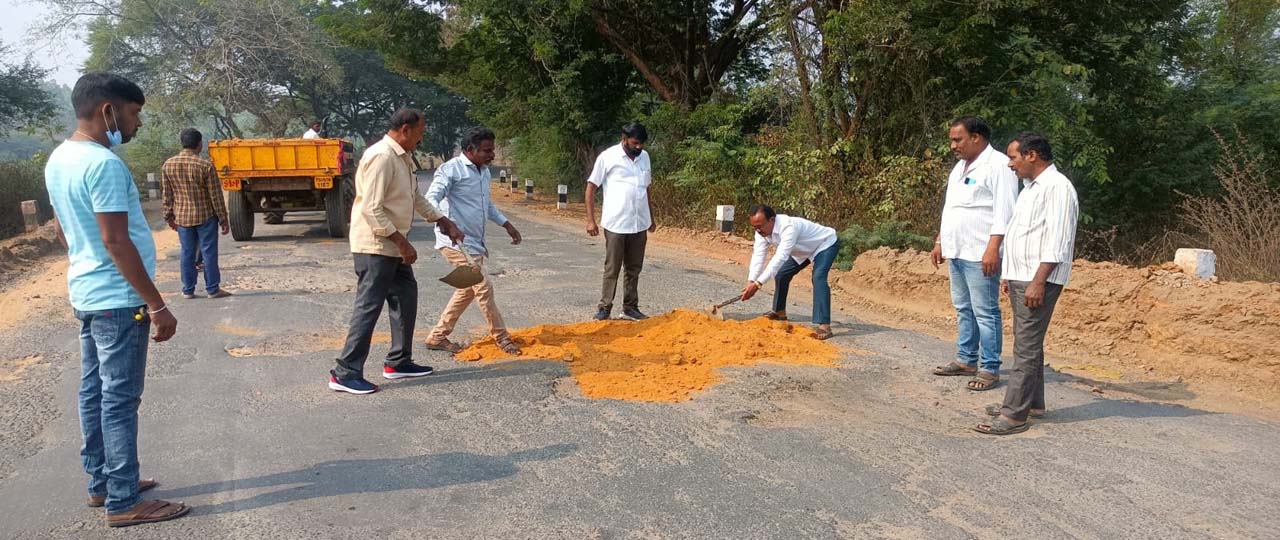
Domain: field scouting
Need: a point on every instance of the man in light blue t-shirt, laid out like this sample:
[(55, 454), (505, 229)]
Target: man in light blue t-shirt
[(111, 288)]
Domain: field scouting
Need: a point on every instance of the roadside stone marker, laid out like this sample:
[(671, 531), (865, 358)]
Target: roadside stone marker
[(562, 197), (153, 186), (724, 218), (528, 189), (29, 215), (1201, 263)]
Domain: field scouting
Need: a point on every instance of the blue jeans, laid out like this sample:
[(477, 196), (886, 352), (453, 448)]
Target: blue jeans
[(113, 363), (204, 238), (821, 289), (977, 301)]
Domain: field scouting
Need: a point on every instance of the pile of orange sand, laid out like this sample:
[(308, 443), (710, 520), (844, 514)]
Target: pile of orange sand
[(664, 358)]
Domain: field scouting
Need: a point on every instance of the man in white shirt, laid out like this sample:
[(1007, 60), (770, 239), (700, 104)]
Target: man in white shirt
[(623, 172), (981, 191), (1038, 249), (460, 191), (313, 132), (798, 242)]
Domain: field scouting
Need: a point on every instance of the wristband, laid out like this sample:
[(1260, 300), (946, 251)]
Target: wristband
[(155, 311)]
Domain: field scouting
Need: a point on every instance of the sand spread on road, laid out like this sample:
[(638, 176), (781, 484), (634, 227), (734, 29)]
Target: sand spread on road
[(665, 358)]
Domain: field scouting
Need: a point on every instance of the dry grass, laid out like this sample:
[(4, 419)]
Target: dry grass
[(1242, 226)]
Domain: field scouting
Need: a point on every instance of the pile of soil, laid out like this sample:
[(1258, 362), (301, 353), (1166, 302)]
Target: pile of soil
[(1156, 319), (20, 253), (666, 358)]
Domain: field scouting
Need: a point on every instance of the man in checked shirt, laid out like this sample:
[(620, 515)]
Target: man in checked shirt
[(194, 207)]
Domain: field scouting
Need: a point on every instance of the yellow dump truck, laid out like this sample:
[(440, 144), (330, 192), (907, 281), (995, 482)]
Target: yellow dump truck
[(277, 176)]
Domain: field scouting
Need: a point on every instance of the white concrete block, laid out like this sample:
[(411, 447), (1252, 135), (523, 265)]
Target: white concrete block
[(1201, 263)]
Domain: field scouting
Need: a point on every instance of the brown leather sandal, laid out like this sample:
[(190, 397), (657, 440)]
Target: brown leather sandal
[(773, 316), (954, 369), (148, 512), (96, 501), (509, 346), (444, 345), (1001, 426), (983, 381), (994, 410)]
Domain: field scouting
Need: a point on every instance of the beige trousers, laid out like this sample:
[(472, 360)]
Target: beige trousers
[(482, 292)]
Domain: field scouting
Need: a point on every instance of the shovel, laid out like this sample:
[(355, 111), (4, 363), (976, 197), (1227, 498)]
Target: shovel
[(462, 277), (715, 309)]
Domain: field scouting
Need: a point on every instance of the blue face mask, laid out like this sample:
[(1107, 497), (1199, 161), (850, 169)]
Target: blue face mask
[(114, 136)]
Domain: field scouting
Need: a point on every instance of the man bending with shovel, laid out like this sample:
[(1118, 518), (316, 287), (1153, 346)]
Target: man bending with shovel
[(460, 190), (798, 243), (387, 197)]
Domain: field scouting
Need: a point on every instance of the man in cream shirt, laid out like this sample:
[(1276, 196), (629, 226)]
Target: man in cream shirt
[(387, 198), (624, 173), (799, 242), (980, 195)]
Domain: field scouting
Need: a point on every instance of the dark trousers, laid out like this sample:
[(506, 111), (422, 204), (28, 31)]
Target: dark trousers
[(380, 279), (623, 252), (1026, 377)]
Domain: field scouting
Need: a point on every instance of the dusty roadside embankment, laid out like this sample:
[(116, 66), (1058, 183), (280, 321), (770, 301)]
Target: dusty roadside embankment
[(1152, 332)]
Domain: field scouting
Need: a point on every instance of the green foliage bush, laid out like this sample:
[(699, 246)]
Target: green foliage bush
[(21, 180), (893, 234)]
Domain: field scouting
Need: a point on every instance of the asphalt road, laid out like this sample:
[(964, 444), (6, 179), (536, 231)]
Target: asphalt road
[(237, 422)]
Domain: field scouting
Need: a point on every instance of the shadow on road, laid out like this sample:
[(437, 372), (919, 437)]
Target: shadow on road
[(512, 368), (1119, 408), (353, 476)]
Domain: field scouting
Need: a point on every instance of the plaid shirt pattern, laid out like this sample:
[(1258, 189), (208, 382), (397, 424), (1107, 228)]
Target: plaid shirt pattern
[(192, 193)]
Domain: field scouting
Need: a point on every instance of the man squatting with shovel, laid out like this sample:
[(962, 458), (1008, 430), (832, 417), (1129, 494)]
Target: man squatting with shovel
[(387, 197), (460, 190), (799, 242)]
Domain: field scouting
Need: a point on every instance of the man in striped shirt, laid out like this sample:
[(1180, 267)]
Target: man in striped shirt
[(1038, 249)]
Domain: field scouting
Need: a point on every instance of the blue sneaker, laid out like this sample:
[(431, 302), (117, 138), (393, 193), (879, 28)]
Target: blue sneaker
[(408, 369), (633, 314), (351, 386)]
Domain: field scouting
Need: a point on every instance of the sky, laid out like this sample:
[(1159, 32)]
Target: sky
[(64, 57)]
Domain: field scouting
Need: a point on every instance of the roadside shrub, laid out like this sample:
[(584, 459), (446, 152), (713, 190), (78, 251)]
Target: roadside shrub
[(894, 234), (1242, 226), (21, 180)]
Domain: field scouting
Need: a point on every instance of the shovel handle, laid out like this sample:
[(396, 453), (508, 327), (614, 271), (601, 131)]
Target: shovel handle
[(729, 301), (465, 254)]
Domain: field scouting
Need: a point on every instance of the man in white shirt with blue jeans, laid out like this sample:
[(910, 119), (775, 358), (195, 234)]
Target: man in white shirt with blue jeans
[(981, 191), (798, 243), (1038, 248), (624, 173)]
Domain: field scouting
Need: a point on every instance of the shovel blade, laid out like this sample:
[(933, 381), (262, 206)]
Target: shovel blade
[(462, 277)]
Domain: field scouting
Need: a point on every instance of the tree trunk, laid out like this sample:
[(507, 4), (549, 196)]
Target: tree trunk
[(802, 74)]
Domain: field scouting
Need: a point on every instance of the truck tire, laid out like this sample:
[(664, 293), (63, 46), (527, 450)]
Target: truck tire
[(337, 206), (240, 216)]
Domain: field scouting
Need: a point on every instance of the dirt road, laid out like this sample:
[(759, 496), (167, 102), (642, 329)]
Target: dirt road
[(237, 421)]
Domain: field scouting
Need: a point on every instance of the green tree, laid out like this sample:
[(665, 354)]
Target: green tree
[(24, 101), (219, 58), (534, 71)]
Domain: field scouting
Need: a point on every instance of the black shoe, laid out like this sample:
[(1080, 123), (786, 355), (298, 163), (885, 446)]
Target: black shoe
[(409, 369), (602, 314), (352, 386), (633, 314)]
